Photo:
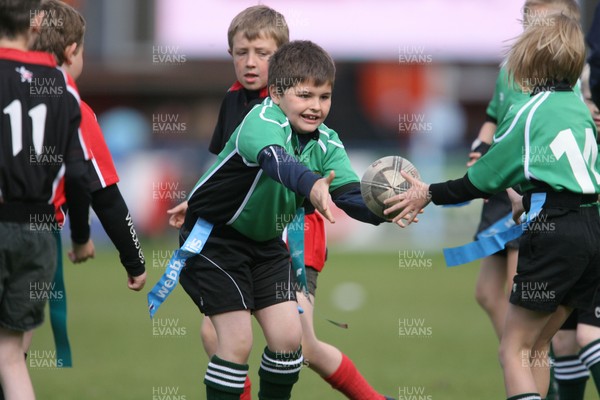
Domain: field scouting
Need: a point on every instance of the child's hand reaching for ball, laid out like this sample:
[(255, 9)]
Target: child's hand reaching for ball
[(320, 197), (411, 202)]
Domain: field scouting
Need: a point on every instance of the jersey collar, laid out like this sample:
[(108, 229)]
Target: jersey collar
[(264, 92), (552, 86), (28, 57)]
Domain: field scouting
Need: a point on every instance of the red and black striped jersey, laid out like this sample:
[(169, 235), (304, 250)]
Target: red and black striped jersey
[(39, 126), (236, 104)]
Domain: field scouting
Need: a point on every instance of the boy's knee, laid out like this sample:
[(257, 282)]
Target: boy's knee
[(587, 334)]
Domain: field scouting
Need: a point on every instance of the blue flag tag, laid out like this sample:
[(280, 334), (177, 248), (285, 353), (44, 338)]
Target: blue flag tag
[(192, 246), (295, 238), (503, 224), (496, 237)]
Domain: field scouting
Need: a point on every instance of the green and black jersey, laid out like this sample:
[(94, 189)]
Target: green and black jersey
[(236, 191), (546, 144), (555, 138), (508, 94)]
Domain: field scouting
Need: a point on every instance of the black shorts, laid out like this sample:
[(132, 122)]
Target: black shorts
[(559, 259), (233, 272), (588, 316), (494, 209), (27, 265)]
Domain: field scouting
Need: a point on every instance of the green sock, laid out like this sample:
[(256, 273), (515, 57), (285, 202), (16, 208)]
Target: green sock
[(590, 356), (224, 380), (572, 376), (278, 372)]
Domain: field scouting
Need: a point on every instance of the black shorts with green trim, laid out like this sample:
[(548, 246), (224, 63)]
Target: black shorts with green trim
[(559, 259), (233, 273)]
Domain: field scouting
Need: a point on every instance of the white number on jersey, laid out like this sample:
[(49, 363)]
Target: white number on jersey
[(564, 143), (38, 123)]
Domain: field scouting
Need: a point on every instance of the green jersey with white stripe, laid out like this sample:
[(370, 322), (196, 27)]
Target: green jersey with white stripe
[(507, 94), (556, 137), (236, 191)]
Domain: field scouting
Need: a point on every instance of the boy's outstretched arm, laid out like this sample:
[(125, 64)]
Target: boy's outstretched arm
[(285, 169), (349, 199), (109, 205)]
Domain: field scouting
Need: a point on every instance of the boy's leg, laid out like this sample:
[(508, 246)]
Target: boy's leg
[(329, 362), (490, 290), (570, 374), (524, 348), (282, 358), (228, 368), (14, 376), (209, 342), (209, 337)]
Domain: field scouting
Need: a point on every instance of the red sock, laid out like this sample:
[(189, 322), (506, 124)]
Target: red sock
[(349, 381), (247, 395)]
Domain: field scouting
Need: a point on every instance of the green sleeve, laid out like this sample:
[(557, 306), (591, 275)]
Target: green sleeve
[(494, 104), (502, 166), (336, 159), (265, 125)]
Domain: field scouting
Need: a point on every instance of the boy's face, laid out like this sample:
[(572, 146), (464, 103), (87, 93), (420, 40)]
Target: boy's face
[(251, 60), (76, 67), (587, 96), (305, 105)]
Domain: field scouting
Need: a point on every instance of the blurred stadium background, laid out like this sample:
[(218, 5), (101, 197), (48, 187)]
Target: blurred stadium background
[(413, 79)]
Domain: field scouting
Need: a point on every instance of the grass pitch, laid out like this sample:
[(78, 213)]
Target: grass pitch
[(415, 332)]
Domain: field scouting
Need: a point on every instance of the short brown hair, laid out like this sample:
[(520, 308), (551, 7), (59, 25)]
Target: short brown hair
[(62, 25), (300, 61), (546, 53), (567, 7), (16, 16), (257, 21)]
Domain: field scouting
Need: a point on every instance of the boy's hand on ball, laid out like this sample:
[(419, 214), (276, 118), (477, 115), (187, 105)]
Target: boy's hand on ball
[(320, 197), (411, 202)]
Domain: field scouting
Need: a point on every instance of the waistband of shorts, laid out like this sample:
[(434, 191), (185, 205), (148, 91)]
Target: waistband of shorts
[(24, 212), (568, 200)]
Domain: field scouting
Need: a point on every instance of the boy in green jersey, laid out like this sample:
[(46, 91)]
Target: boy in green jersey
[(497, 271), (559, 260), (280, 154)]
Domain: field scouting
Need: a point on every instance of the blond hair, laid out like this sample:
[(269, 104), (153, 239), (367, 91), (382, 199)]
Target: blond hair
[(547, 53), (567, 7), (62, 26), (259, 21)]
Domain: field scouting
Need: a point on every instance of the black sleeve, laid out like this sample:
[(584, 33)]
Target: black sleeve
[(593, 40), (219, 137), (455, 191), (77, 192), (349, 199), (110, 207), (285, 169)]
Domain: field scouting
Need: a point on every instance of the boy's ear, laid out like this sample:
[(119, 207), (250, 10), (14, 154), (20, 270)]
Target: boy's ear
[(230, 52), (70, 51), (274, 94)]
